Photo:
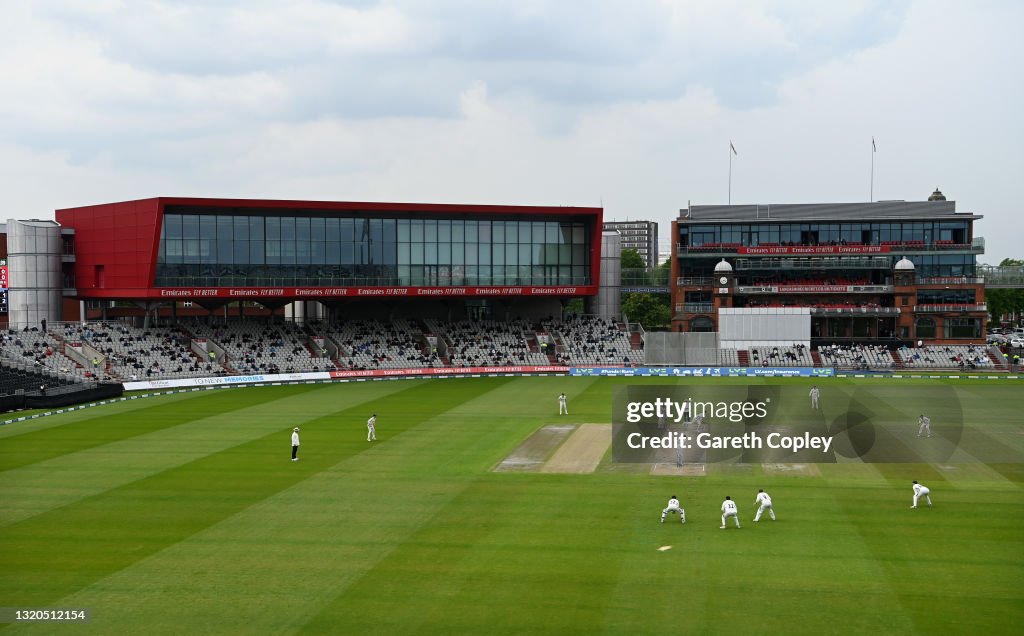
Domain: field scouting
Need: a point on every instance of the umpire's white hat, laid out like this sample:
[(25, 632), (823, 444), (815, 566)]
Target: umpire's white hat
[(296, 429)]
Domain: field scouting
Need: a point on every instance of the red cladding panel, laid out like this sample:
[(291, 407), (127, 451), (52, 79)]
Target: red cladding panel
[(595, 248), (122, 237)]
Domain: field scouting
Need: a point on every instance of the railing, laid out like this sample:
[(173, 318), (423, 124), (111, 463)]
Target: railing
[(855, 311), (706, 250), (693, 282), (976, 246), (951, 280), (1010, 276), (349, 281), (810, 288), (964, 308), (635, 277), (694, 308), (827, 262)]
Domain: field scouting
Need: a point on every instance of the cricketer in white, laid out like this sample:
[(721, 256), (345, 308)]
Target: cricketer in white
[(815, 395), (925, 428), (921, 491), (765, 503), (673, 506), (729, 510)]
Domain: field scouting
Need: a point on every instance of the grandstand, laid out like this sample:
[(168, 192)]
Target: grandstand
[(257, 347), (75, 353), (857, 356), (592, 341), (17, 376), (963, 357), (795, 356), (47, 354), (372, 344), (489, 342), (869, 273), (131, 353)]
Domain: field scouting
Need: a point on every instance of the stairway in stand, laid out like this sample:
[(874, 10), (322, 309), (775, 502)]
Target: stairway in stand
[(744, 357), (635, 341), (997, 360)]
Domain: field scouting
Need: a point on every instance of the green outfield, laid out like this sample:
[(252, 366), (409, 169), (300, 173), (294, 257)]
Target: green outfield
[(480, 510)]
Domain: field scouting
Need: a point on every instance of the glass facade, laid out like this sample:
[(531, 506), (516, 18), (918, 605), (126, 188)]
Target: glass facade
[(946, 297), (846, 233), (314, 250), (943, 264), (941, 233), (926, 265)]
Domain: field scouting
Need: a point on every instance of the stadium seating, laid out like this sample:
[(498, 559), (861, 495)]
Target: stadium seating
[(17, 376), (591, 340), (258, 347), (795, 356), (474, 343), (369, 344), (857, 357), (946, 357), (35, 350), (729, 357), (132, 353)]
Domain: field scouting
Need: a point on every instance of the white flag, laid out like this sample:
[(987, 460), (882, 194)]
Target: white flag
[(874, 148), (733, 148)]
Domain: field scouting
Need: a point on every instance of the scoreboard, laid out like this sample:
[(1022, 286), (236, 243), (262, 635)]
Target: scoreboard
[(3, 286)]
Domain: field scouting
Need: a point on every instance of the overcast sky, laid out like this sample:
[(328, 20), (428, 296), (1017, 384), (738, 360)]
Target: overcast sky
[(627, 104)]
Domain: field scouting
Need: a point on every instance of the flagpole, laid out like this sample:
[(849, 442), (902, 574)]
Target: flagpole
[(872, 196), (730, 173)]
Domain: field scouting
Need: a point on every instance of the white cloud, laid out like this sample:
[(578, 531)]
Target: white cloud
[(519, 102)]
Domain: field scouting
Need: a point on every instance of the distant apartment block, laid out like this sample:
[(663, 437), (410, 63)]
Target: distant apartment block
[(641, 236)]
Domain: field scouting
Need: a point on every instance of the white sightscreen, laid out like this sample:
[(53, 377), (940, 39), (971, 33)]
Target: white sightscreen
[(671, 348), (740, 328)]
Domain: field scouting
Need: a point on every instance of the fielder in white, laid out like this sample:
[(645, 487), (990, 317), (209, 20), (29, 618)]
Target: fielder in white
[(765, 503), (815, 394), (729, 510), (925, 426), (698, 423), (295, 444), (563, 409), (673, 506), (921, 491), (371, 428)]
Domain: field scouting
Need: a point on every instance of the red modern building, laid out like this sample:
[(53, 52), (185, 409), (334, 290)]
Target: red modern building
[(212, 252)]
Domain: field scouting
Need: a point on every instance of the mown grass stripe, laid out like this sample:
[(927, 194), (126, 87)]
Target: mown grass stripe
[(78, 432), (43, 554), (282, 558), (414, 534), (927, 554), (82, 412), (59, 481)]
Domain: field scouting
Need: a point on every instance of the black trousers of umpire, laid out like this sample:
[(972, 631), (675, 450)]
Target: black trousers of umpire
[(295, 451)]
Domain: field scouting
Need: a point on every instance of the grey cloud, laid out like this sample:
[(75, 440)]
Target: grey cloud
[(564, 52)]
